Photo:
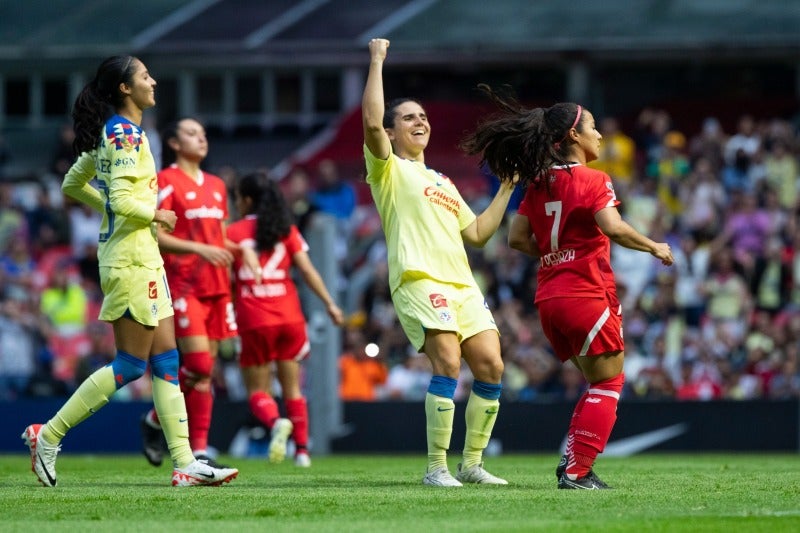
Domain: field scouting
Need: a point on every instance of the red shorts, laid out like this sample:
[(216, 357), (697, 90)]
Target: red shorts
[(582, 326), (204, 317), (288, 342)]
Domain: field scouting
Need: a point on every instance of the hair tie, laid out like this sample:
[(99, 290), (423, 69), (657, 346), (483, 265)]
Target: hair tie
[(577, 119)]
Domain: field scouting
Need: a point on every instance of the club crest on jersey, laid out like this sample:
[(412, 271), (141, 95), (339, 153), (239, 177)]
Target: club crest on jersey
[(445, 316), (125, 137), (152, 290), (438, 300), (154, 310)]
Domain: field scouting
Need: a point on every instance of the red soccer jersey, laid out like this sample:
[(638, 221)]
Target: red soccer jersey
[(575, 254), (275, 301), (202, 209)]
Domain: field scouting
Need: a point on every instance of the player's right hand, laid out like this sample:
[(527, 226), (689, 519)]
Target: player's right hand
[(378, 49), (166, 218), (664, 252), (217, 256)]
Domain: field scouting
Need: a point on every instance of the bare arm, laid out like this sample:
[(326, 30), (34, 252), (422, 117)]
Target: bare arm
[(174, 245), (483, 227), (619, 231), (520, 236), (315, 283), (372, 102)]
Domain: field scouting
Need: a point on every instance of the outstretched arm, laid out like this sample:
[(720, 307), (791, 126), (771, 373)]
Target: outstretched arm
[(619, 231), (372, 102)]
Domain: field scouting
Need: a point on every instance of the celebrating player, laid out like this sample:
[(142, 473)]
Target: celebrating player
[(438, 302), (271, 322), (567, 218), (197, 263), (112, 146)]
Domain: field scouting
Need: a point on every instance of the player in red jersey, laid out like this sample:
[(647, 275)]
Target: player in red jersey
[(568, 219), (271, 322), (197, 260)]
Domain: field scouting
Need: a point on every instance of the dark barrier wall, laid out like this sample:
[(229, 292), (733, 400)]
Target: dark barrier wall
[(400, 427)]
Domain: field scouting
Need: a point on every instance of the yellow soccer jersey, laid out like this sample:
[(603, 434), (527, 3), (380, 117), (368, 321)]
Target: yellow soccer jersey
[(126, 176), (423, 215)]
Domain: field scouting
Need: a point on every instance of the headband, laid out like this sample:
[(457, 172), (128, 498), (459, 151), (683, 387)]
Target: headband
[(577, 119)]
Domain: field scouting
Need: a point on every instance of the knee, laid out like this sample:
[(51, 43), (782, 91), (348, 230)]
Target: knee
[(489, 370), (127, 368)]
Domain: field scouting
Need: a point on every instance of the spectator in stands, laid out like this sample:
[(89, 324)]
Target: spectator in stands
[(333, 195), (782, 172), (48, 225), (617, 156), (17, 346), (63, 156), (568, 218), (436, 297), (704, 200), (107, 115), (709, 144), (362, 375), (744, 144), (12, 219), (409, 380), (297, 191), (272, 327)]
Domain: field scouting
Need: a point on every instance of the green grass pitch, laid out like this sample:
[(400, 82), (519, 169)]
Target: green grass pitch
[(383, 493)]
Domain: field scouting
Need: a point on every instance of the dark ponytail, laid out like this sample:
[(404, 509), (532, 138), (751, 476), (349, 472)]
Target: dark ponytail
[(168, 155), (273, 218), (517, 140), (98, 100)]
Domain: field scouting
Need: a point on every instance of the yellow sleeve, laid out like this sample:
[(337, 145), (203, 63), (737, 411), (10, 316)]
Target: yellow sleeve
[(124, 203), (76, 183)]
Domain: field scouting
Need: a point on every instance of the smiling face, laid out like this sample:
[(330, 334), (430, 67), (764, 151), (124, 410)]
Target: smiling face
[(411, 131), (141, 87)]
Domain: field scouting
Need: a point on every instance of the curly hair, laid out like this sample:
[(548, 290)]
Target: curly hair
[(518, 140), (273, 217), (98, 100)]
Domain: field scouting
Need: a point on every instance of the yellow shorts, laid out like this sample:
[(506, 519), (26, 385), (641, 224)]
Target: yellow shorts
[(425, 304), (141, 292)]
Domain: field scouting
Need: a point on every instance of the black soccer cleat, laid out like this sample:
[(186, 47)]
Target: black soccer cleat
[(203, 458), (153, 444), (588, 482), (562, 466)]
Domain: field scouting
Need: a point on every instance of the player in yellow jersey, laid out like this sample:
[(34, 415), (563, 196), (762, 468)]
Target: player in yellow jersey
[(438, 302), (113, 148)]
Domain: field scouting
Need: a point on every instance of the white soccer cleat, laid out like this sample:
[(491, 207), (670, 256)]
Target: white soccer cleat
[(303, 460), (43, 455), (440, 478), (476, 474), (201, 473), (281, 431)]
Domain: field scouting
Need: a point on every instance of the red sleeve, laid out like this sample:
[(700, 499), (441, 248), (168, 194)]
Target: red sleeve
[(601, 192), (295, 242)]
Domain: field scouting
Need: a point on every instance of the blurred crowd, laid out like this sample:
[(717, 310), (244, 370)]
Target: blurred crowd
[(722, 323)]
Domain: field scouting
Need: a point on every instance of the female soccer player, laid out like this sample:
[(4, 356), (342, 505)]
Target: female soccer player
[(271, 322), (112, 146), (438, 302), (197, 261), (567, 218)]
